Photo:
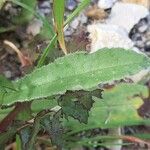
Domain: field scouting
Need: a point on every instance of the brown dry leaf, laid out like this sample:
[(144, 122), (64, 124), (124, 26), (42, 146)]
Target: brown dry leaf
[(96, 13), (145, 3), (25, 60)]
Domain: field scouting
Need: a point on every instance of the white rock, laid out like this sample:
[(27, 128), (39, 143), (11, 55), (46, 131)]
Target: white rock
[(74, 24), (127, 15), (105, 4), (83, 18), (110, 36)]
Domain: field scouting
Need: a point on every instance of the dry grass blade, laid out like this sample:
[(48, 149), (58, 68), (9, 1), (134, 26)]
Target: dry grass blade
[(25, 61)]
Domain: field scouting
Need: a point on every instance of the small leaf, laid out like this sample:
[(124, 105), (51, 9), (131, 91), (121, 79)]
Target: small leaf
[(75, 110), (77, 104), (25, 135), (52, 124), (58, 11)]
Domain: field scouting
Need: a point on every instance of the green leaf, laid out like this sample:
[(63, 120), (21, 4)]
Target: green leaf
[(75, 110), (117, 108), (78, 71), (52, 124), (77, 104), (58, 11), (25, 137)]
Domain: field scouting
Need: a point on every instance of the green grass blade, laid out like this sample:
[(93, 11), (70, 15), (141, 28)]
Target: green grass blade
[(50, 47), (46, 51), (58, 12), (82, 5)]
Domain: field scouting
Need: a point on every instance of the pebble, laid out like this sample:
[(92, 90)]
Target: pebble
[(71, 4), (140, 34), (143, 28), (45, 7), (7, 74), (68, 32), (83, 19), (74, 24), (142, 25), (136, 37), (147, 46), (34, 27)]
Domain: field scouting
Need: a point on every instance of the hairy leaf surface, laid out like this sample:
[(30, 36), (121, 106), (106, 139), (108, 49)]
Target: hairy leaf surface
[(76, 72)]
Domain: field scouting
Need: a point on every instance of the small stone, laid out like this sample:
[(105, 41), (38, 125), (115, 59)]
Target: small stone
[(71, 4), (45, 4), (34, 27), (45, 11), (147, 46), (136, 37), (45, 7), (83, 19), (7, 74), (74, 24), (142, 29), (68, 32), (142, 25), (139, 44)]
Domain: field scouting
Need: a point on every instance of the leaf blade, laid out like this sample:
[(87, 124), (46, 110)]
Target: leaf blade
[(83, 71), (58, 11)]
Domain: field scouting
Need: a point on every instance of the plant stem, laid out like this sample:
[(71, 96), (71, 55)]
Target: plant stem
[(50, 46)]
